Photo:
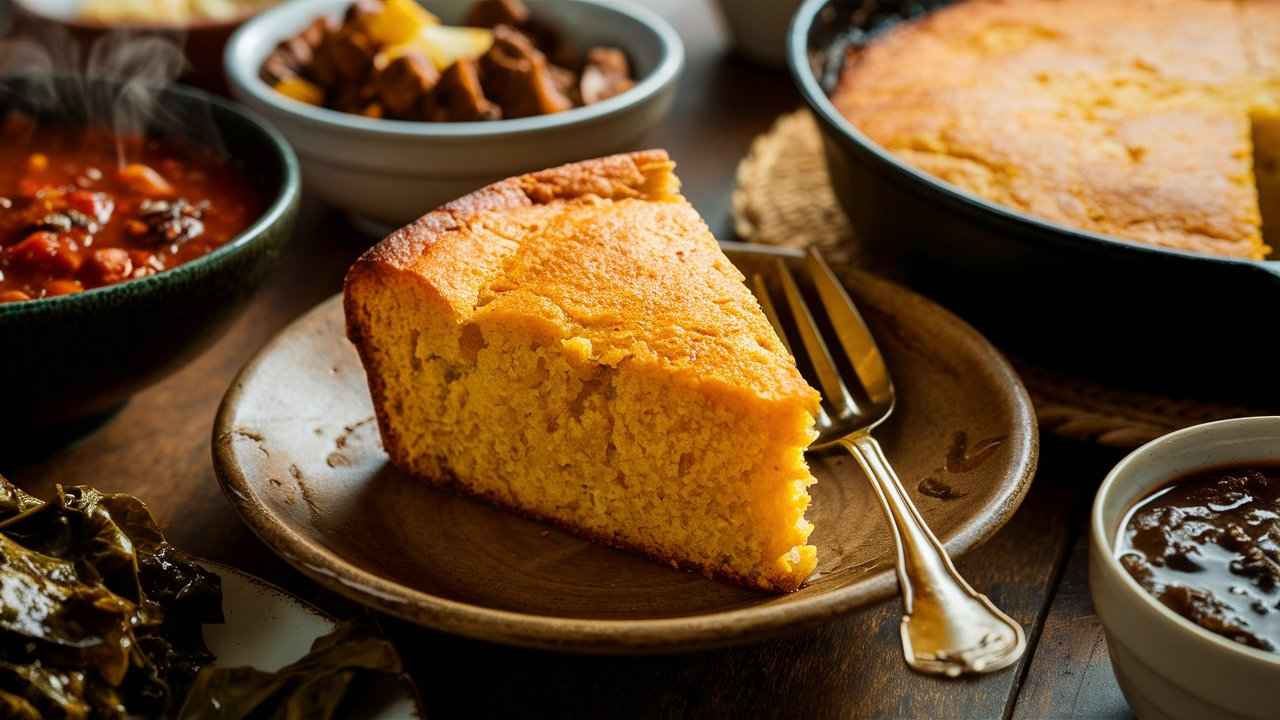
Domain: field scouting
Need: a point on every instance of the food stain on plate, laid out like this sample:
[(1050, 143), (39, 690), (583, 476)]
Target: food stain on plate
[(935, 488), (963, 458)]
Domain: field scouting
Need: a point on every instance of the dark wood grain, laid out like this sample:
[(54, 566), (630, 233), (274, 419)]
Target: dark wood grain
[(158, 447), (1070, 677)]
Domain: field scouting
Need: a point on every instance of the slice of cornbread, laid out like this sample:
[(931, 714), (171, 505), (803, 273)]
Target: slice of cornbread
[(572, 344)]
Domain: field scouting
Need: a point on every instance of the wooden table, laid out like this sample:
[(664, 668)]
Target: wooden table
[(158, 448)]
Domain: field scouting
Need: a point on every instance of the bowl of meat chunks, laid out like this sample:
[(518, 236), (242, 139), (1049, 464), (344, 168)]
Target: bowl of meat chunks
[(395, 107)]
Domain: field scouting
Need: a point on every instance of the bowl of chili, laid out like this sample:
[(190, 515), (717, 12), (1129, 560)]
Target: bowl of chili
[(124, 255)]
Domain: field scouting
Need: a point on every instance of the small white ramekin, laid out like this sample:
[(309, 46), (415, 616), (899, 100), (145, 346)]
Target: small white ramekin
[(1167, 666)]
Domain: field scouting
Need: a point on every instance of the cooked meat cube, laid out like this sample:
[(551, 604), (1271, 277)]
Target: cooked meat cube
[(345, 56), (492, 13), (323, 71), (404, 83), (517, 77), (459, 97), (294, 56), (353, 98), (277, 68), (287, 60), (317, 31), (605, 75), (298, 50)]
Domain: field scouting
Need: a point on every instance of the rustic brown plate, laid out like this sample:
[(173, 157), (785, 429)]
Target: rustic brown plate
[(297, 451)]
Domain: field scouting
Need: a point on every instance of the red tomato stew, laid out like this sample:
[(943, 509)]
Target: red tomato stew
[(81, 208)]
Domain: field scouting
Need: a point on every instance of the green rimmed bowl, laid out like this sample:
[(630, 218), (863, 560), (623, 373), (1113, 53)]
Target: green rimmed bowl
[(67, 359)]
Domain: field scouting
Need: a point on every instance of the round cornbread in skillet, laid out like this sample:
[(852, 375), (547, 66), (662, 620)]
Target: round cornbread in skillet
[(572, 344), (1134, 119)]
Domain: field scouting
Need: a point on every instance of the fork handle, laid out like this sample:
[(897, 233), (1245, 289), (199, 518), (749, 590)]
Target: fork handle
[(946, 622)]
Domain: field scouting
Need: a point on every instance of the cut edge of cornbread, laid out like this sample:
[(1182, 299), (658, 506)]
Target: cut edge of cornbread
[(715, 482), (1264, 120), (1260, 29)]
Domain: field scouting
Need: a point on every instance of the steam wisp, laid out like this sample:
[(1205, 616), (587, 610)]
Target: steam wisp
[(116, 82)]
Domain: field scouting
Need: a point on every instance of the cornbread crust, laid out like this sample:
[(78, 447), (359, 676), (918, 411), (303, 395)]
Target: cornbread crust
[(1131, 119), (662, 305)]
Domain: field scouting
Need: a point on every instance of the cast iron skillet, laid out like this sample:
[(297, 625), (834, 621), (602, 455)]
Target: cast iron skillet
[(1172, 322)]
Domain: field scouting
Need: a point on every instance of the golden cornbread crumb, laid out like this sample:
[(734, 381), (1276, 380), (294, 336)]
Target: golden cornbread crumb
[(1143, 119), (574, 345)]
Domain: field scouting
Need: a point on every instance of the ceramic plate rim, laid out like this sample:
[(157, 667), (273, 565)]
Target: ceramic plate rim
[(222, 569), (219, 568), (607, 636)]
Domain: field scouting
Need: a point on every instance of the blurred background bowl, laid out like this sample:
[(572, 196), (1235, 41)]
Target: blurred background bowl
[(759, 28), (72, 357), (387, 173), (203, 40)]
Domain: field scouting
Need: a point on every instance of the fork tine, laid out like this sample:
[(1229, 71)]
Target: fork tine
[(761, 289), (851, 330), (833, 388), (766, 303)]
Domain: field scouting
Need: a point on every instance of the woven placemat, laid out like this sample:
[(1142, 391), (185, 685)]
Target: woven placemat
[(783, 196)]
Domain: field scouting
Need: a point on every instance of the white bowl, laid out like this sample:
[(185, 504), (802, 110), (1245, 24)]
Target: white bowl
[(1167, 666), (392, 171)]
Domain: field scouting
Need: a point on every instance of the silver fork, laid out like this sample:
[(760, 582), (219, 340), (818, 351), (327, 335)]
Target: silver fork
[(947, 628)]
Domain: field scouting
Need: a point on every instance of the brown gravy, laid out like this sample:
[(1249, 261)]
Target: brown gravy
[(1207, 545)]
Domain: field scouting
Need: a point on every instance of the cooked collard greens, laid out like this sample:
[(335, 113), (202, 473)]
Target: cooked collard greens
[(313, 687), (99, 615)]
